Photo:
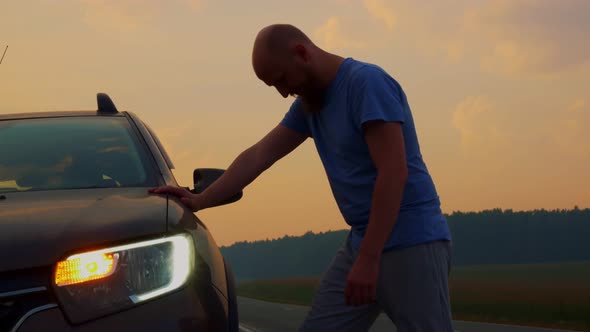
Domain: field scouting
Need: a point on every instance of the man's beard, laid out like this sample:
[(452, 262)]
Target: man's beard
[(312, 103), (312, 97)]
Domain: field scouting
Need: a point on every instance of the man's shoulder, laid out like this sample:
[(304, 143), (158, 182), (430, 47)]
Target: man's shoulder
[(362, 73), (364, 76)]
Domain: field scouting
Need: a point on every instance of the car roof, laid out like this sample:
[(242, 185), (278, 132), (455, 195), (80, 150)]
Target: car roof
[(58, 114), (104, 103)]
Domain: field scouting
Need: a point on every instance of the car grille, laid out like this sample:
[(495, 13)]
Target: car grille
[(21, 293)]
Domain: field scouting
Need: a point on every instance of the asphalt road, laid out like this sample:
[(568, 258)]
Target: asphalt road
[(260, 316)]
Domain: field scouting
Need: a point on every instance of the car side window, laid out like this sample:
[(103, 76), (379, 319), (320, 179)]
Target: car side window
[(160, 147)]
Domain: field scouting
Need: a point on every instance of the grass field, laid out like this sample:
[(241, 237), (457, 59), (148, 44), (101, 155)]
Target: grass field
[(548, 295)]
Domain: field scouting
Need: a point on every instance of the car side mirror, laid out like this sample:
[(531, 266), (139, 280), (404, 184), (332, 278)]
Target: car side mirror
[(204, 177)]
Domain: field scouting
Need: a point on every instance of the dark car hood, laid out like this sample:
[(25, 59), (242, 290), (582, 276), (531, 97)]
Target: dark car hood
[(40, 228)]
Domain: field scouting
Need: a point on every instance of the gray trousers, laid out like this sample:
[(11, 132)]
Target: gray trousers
[(412, 290)]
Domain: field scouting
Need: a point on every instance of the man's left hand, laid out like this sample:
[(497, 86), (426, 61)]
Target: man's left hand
[(361, 285)]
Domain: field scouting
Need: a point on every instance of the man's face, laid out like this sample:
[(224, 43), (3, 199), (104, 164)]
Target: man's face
[(289, 79), (292, 76)]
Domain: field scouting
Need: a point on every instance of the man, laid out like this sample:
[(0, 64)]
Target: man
[(397, 255)]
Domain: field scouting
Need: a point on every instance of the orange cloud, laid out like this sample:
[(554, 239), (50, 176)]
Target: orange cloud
[(454, 50), (420, 27), (510, 57), (537, 37), (571, 129), (479, 124), (507, 37), (130, 15), (381, 11), (330, 36), (524, 146)]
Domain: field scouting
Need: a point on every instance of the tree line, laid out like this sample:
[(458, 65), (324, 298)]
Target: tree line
[(487, 237)]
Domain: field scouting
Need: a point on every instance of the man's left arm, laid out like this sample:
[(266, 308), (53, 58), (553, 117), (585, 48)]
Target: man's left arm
[(386, 146)]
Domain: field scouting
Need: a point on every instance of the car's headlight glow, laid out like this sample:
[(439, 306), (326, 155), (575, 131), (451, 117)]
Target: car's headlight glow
[(86, 267), (99, 282)]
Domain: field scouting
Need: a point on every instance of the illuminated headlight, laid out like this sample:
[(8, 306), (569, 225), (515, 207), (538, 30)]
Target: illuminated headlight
[(100, 282)]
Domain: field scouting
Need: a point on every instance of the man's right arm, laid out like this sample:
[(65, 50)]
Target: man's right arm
[(245, 168), (251, 163)]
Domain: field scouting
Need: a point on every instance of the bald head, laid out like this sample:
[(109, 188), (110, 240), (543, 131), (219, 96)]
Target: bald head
[(273, 44), (278, 37), (284, 57)]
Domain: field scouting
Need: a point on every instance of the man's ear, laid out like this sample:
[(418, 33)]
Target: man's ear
[(301, 52)]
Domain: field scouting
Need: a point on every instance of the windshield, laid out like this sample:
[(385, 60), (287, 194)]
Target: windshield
[(71, 153)]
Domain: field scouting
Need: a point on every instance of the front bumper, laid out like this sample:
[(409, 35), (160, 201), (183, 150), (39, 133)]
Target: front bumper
[(191, 308)]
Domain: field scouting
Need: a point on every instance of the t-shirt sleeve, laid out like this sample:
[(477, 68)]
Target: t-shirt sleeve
[(295, 119), (377, 96)]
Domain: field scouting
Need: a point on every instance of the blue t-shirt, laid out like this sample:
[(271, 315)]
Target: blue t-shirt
[(359, 93)]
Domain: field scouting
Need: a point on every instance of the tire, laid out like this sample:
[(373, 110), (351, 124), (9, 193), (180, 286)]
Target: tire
[(232, 301)]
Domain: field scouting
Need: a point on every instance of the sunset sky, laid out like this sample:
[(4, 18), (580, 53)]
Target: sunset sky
[(499, 90)]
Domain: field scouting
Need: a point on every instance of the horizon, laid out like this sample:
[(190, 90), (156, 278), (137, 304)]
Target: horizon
[(498, 91), (575, 208)]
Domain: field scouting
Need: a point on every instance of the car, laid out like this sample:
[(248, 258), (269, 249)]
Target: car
[(85, 247)]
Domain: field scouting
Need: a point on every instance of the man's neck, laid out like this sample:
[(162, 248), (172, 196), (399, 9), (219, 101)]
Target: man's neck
[(329, 69)]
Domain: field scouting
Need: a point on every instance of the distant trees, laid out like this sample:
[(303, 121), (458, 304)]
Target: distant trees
[(487, 237)]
